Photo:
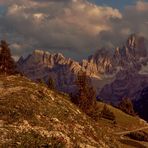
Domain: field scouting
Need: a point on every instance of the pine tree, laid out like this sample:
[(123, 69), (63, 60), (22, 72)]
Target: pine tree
[(51, 83), (85, 98), (7, 64)]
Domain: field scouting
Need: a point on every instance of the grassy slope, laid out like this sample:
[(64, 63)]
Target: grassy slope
[(32, 115), (124, 121)]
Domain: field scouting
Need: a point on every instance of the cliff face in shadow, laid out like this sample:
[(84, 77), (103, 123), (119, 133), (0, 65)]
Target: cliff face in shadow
[(141, 104), (126, 84)]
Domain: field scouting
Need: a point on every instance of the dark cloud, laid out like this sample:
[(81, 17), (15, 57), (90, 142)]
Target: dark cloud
[(51, 0), (69, 26), (134, 20)]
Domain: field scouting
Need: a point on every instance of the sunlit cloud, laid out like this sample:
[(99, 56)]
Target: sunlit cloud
[(70, 26)]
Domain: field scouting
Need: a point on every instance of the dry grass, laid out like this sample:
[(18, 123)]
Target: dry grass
[(31, 114), (123, 120)]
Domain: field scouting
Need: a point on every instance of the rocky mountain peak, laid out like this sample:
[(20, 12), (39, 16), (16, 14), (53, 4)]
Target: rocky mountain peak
[(38, 52), (128, 56), (131, 41), (136, 45), (132, 76)]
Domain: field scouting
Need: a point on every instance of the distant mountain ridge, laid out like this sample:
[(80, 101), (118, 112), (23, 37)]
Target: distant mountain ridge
[(132, 55), (102, 67), (41, 65)]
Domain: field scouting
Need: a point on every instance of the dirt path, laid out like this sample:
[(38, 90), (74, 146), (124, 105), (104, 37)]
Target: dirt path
[(130, 131), (131, 142)]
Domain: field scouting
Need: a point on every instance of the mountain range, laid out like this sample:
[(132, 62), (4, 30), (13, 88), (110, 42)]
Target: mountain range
[(115, 74)]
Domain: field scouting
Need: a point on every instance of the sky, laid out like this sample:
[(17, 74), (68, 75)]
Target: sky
[(76, 28), (120, 4)]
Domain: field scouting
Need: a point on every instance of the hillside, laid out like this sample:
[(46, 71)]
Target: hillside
[(124, 121), (31, 115)]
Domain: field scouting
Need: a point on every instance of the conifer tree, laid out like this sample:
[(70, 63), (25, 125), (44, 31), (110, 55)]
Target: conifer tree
[(7, 64), (51, 83), (85, 98)]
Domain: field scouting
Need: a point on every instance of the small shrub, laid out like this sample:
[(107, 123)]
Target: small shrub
[(126, 106), (51, 83), (41, 82), (107, 114)]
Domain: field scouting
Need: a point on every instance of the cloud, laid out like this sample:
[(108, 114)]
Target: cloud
[(1, 1), (140, 6), (69, 26), (134, 20)]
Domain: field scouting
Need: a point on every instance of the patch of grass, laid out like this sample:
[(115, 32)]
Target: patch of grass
[(122, 119)]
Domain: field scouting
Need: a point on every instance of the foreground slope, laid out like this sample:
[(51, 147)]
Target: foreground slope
[(31, 115)]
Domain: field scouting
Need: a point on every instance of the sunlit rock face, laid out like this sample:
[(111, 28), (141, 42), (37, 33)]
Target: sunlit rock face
[(42, 65), (133, 54), (103, 61), (136, 46)]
